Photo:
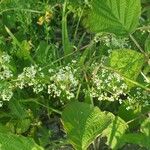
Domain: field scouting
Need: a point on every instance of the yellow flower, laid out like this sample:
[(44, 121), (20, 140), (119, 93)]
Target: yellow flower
[(48, 16), (40, 20)]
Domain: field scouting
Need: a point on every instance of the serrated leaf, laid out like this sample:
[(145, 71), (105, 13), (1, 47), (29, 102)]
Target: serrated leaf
[(17, 109), (115, 16), (4, 129), (10, 141), (127, 62), (115, 131), (20, 118), (83, 123)]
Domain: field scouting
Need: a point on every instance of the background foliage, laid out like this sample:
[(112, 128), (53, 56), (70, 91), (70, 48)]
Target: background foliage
[(74, 74)]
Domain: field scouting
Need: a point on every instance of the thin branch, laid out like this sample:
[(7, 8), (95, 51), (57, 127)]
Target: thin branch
[(18, 9), (138, 46), (142, 115), (47, 107), (144, 28), (136, 43)]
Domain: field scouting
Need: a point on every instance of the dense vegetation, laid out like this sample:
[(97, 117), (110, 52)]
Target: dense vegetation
[(74, 74)]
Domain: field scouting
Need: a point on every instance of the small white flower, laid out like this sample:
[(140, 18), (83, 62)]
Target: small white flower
[(5, 58), (120, 101), (50, 70), (1, 103), (128, 108)]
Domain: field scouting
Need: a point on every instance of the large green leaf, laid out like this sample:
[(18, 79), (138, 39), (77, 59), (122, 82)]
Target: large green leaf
[(13, 142), (115, 16), (83, 123), (115, 131), (127, 62), (136, 138)]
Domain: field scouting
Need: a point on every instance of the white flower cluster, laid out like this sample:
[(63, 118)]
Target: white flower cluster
[(31, 77), (60, 82), (138, 96), (111, 40), (5, 72), (6, 89), (6, 92), (107, 85), (63, 83)]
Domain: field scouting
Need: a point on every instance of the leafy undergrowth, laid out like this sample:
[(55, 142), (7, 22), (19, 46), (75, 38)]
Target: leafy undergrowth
[(74, 75)]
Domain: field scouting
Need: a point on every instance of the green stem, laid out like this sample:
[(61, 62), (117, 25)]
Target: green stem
[(78, 91), (58, 60), (78, 23), (139, 47), (47, 107), (89, 89), (144, 28), (142, 115), (18, 9), (65, 38)]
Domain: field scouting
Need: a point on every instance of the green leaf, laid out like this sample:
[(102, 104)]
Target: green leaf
[(42, 53), (145, 127), (4, 129), (83, 123), (20, 118), (24, 46), (22, 125), (135, 138), (10, 141), (115, 131), (127, 62), (25, 51), (17, 110), (142, 139), (115, 16), (130, 114)]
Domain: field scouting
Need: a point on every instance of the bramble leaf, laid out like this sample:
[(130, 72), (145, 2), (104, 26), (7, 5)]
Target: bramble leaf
[(127, 62), (83, 123), (115, 16)]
